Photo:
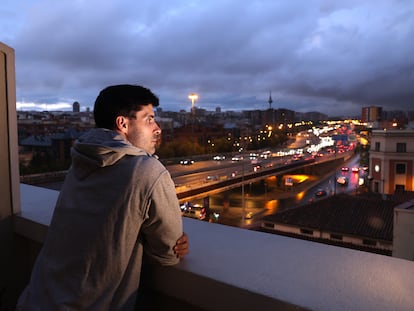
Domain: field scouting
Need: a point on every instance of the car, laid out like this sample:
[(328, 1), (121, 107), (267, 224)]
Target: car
[(196, 211), (355, 169), (342, 180), (266, 154), (249, 215), (256, 167), (219, 157), (186, 162), (345, 169), (237, 158), (320, 193)]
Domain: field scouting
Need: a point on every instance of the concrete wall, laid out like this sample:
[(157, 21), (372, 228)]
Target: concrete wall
[(9, 174), (404, 231)]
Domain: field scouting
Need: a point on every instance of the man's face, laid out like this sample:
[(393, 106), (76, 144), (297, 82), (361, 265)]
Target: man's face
[(142, 130)]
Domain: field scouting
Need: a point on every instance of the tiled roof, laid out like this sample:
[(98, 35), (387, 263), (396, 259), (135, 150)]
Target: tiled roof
[(36, 140), (46, 140), (369, 217), (68, 134)]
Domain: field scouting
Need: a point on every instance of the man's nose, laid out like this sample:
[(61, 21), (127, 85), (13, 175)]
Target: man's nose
[(157, 128)]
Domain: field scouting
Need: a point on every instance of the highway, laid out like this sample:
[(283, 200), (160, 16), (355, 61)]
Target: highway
[(262, 195), (266, 196), (211, 171)]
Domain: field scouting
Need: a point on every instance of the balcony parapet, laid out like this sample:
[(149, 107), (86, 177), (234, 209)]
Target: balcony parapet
[(236, 268)]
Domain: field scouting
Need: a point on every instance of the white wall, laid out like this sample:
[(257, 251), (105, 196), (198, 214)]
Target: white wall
[(404, 231)]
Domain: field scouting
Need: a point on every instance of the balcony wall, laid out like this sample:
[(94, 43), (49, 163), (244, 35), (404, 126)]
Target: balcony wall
[(9, 171), (236, 268)]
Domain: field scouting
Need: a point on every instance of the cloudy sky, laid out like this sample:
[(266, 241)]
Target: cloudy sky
[(312, 55)]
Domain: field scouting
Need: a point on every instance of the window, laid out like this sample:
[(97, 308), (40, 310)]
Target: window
[(376, 186), (336, 237), (369, 242), (401, 147), (377, 146), (306, 231), (399, 188), (400, 168)]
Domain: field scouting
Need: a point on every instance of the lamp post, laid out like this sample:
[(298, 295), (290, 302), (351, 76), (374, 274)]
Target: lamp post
[(243, 202), (193, 97)]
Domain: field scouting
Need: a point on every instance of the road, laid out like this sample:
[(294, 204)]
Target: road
[(203, 172), (267, 198), (260, 198)]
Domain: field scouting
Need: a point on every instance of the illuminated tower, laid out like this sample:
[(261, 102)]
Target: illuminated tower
[(270, 101)]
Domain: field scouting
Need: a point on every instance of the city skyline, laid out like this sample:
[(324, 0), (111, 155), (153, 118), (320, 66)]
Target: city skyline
[(312, 56)]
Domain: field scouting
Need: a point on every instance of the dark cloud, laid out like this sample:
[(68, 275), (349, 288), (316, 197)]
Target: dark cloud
[(326, 55)]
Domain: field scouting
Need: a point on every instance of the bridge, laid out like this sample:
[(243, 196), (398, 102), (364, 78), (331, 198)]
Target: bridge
[(202, 190), (311, 165)]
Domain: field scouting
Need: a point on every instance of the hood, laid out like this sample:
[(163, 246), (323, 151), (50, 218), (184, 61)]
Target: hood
[(99, 148)]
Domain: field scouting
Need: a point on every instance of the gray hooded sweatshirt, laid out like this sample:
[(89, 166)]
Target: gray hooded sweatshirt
[(118, 204)]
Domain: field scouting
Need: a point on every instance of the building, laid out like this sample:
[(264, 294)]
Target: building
[(391, 161), (76, 107), (371, 114), (403, 231), (363, 223)]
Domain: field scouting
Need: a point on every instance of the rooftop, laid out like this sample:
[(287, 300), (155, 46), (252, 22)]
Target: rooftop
[(343, 214)]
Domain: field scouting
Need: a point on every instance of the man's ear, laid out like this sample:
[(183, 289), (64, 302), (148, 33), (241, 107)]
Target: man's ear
[(121, 123)]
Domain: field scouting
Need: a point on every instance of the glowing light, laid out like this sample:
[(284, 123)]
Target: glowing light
[(193, 97), (271, 206), (299, 178), (300, 195)]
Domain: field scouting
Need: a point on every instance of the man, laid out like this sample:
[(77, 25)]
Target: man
[(117, 206)]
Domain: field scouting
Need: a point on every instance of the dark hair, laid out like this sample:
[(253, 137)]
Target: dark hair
[(120, 100)]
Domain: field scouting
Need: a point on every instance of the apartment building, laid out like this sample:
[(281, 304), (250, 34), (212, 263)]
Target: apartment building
[(371, 114), (391, 161)]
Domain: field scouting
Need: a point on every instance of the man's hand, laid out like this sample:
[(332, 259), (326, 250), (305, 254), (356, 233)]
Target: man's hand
[(181, 246)]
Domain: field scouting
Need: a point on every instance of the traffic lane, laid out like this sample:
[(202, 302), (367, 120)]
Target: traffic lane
[(330, 184), (193, 177), (211, 166), (201, 177), (200, 166)]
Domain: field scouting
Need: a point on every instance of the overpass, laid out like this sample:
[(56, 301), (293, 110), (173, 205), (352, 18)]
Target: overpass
[(200, 191), (212, 188)]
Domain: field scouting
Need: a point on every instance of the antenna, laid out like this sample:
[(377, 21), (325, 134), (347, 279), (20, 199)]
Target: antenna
[(270, 101)]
